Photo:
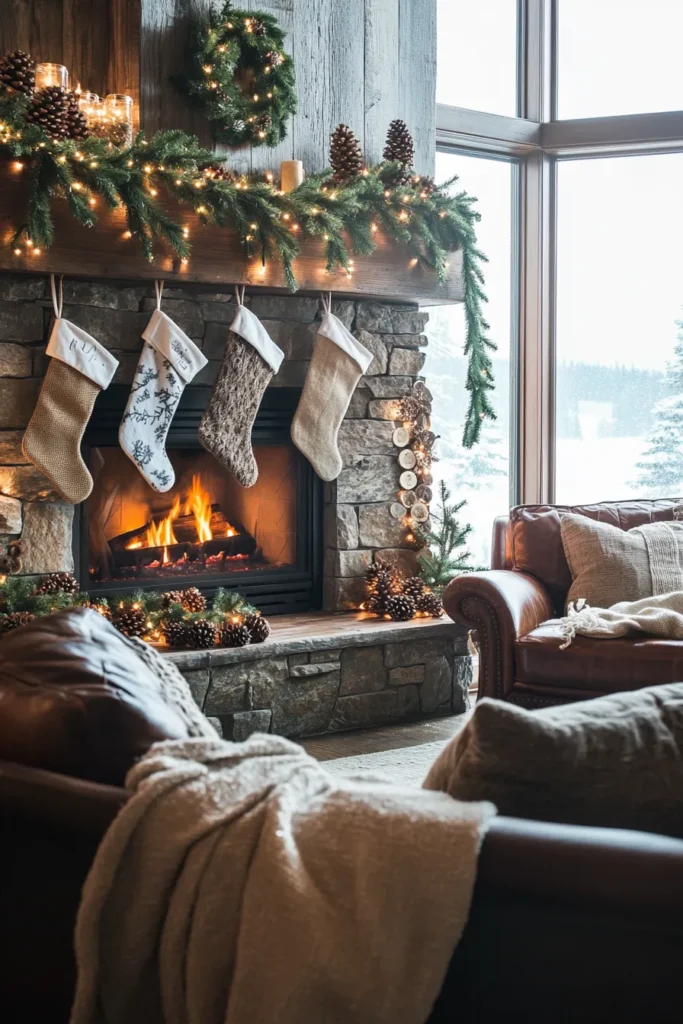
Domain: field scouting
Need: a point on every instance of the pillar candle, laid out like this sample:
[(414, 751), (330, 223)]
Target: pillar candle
[(291, 174)]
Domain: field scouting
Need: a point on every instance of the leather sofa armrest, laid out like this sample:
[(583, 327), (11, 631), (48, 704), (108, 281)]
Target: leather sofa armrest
[(38, 797), (501, 605), (609, 868)]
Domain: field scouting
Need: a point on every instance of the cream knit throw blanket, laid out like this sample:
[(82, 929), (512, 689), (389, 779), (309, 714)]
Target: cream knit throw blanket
[(660, 616), (243, 883)]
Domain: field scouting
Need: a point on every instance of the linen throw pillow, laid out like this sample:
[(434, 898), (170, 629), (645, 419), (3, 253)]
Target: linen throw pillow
[(615, 761), (609, 565)]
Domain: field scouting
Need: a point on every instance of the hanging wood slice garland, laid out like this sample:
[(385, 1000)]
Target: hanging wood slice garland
[(240, 76)]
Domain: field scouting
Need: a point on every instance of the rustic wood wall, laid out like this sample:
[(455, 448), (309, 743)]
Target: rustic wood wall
[(363, 62)]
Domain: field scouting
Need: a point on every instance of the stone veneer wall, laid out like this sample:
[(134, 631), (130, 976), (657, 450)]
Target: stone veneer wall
[(317, 685), (357, 520)]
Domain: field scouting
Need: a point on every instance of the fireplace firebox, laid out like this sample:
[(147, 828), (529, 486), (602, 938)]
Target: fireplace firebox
[(207, 531)]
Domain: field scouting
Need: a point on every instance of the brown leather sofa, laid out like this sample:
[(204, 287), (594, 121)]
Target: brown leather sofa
[(567, 923), (515, 608)]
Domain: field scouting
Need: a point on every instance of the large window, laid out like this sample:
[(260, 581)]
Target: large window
[(477, 55), (596, 343), (619, 411), (618, 56), (479, 475)]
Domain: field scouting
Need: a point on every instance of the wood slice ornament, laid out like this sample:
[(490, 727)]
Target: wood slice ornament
[(427, 479), (396, 510), (401, 437), (419, 512), (407, 459), (408, 498), (424, 493), (408, 480)]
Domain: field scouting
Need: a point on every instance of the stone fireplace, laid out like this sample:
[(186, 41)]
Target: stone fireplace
[(309, 543)]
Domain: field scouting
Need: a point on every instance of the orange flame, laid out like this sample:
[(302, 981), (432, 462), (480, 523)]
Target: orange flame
[(199, 504)]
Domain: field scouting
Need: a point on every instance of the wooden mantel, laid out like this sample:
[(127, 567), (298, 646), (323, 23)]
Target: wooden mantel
[(217, 257)]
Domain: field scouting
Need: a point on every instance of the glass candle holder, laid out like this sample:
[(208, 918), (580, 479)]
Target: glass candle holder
[(51, 74), (88, 103), (119, 112)]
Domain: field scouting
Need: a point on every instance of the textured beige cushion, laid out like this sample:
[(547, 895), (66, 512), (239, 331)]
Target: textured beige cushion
[(609, 565), (615, 761)]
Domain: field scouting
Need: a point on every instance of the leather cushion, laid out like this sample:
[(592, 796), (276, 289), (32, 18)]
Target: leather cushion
[(614, 761), (75, 698), (537, 542), (602, 666)]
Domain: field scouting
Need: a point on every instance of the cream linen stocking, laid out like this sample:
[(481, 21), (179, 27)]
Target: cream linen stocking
[(79, 369), (338, 362)]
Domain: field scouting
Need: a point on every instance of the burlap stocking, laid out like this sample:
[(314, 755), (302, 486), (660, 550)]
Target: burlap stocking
[(79, 369), (251, 358), (169, 360), (338, 362)]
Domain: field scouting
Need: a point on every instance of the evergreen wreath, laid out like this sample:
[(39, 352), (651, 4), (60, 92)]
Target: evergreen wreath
[(240, 76), (348, 216)]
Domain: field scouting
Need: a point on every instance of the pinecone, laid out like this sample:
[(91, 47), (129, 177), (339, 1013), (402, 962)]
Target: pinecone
[(429, 604), (200, 633), (426, 186), (346, 156), (262, 124), (414, 587), (14, 620), (18, 72), (257, 26), (192, 600), (274, 58), (374, 569), (76, 121), (399, 144), (10, 559), (130, 621), (175, 632), (218, 172), (56, 583), (171, 597), (48, 110), (386, 587), (259, 628), (235, 634), (400, 608)]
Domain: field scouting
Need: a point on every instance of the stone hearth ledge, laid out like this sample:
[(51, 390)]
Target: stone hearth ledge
[(320, 673)]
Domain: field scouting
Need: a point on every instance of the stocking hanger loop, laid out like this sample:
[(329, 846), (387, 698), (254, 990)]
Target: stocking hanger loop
[(239, 294), (57, 302), (159, 289), (326, 299)]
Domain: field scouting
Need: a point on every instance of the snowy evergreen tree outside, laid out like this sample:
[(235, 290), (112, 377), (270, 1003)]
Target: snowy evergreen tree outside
[(661, 465)]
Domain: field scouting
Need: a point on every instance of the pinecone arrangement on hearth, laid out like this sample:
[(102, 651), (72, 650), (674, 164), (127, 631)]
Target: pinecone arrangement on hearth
[(235, 634), (49, 110), (346, 156), (58, 583), (401, 608), (18, 72), (413, 587), (130, 621), (390, 594), (259, 628)]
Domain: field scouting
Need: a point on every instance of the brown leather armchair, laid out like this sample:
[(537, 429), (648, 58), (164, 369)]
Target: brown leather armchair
[(515, 608)]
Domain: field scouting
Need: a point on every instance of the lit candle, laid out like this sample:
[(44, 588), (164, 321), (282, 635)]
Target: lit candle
[(51, 74), (119, 111), (291, 174)]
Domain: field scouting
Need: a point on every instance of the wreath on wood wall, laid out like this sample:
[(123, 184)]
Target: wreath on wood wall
[(240, 76)]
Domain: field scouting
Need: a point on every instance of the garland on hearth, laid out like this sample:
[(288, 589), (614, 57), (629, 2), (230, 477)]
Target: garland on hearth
[(347, 206), (240, 76), (178, 618)]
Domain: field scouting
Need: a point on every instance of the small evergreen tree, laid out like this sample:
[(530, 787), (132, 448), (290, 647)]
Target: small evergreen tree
[(442, 560), (661, 468)]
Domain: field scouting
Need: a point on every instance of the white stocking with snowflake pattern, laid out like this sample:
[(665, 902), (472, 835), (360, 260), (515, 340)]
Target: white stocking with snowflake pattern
[(169, 360)]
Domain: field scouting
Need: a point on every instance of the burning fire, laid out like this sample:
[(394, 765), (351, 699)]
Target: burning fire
[(197, 504)]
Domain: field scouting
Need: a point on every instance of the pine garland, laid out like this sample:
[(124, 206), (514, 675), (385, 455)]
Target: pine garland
[(19, 594), (348, 216)]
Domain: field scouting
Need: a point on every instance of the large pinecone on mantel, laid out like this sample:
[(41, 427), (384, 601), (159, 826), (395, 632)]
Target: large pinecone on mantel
[(399, 144), (18, 72), (49, 110), (346, 156)]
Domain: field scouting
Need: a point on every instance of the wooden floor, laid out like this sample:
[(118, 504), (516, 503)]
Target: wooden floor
[(388, 737)]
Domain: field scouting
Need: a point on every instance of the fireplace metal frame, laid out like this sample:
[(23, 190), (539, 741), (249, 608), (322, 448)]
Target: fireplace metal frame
[(275, 591)]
